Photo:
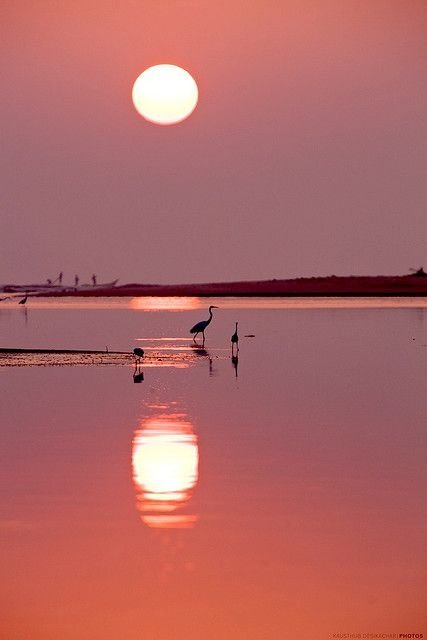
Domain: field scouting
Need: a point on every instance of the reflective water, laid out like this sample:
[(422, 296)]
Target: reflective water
[(278, 494)]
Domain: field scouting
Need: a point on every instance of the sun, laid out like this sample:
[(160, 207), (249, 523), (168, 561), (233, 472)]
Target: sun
[(165, 94)]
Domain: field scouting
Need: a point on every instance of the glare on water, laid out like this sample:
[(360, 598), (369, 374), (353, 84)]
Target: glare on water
[(165, 469)]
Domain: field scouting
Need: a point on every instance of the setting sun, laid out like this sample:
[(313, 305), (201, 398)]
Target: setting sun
[(165, 94)]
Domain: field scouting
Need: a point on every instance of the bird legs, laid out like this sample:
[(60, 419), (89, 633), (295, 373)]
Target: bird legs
[(195, 336)]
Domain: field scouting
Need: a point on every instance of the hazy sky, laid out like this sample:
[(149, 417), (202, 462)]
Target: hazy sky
[(305, 156)]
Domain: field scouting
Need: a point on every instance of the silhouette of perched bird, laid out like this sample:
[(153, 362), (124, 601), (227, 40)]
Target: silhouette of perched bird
[(24, 300), (235, 339), (138, 353), (201, 326)]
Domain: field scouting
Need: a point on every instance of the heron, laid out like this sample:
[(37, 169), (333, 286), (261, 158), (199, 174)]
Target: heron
[(138, 353), (235, 339), (201, 326)]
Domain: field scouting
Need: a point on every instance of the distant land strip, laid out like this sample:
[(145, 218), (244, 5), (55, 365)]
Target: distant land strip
[(407, 285)]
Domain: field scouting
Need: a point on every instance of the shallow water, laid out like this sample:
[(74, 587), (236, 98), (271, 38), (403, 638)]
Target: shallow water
[(279, 495)]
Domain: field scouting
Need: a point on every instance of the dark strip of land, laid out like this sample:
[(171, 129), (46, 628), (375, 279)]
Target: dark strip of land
[(410, 285)]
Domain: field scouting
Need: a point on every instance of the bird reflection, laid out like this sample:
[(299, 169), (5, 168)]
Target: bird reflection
[(165, 460), (25, 314), (138, 375), (199, 350), (235, 363)]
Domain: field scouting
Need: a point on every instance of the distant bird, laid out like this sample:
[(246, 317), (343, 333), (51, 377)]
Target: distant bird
[(201, 326), (138, 353), (235, 339), (24, 300)]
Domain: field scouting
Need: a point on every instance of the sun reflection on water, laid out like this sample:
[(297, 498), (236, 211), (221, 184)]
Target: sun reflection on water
[(171, 303), (165, 460)]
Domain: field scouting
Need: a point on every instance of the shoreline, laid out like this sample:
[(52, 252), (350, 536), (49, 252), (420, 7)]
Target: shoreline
[(340, 286)]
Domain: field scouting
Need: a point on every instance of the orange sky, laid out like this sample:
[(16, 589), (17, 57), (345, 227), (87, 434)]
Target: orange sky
[(304, 156)]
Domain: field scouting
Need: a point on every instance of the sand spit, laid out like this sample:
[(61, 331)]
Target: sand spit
[(68, 357)]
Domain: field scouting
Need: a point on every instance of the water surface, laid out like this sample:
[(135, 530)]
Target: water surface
[(280, 494)]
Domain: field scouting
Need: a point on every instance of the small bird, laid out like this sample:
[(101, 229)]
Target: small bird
[(235, 339), (24, 300), (201, 326), (138, 353)]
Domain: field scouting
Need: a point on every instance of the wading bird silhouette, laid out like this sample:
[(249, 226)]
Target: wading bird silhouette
[(235, 340), (139, 354), (201, 326)]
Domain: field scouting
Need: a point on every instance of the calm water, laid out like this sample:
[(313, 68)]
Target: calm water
[(282, 495)]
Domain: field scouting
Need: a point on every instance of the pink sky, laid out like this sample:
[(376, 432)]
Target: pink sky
[(305, 156)]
